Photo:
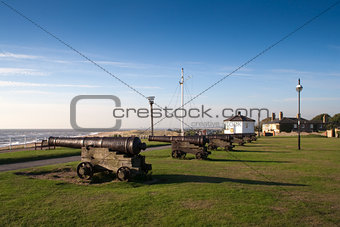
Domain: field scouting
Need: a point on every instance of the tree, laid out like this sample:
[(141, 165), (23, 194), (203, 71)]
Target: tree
[(266, 120), (320, 117), (334, 122)]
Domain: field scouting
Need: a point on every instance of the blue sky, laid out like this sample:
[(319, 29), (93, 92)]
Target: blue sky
[(146, 43)]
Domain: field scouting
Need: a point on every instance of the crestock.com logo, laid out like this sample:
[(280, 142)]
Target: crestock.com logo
[(202, 112), (73, 112)]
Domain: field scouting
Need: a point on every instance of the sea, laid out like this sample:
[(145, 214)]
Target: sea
[(20, 136)]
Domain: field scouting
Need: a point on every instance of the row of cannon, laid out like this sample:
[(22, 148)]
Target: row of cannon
[(121, 155), (181, 145)]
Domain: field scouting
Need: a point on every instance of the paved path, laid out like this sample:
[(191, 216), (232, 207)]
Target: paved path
[(52, 161)]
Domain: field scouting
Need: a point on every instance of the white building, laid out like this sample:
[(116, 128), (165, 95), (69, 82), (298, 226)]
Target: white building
[(239, 124)]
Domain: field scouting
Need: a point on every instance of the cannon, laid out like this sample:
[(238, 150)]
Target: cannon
[(197, 140), (250, 137), (242, 138), (220, 140), (181, 145), (114, 154)]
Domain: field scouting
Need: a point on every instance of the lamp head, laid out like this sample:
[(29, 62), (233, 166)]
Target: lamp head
[(299, 86), (151, 99)]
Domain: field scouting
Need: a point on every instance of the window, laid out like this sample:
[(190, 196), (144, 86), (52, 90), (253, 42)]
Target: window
[(246, 125), (302, 126), (311, 126), (295, 125)]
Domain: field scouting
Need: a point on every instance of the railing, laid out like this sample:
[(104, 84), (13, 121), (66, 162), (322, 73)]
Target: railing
[(23, 143), (42, 144)]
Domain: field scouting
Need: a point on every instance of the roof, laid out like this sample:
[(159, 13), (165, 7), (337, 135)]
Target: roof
[(239, 118), (286, 120)]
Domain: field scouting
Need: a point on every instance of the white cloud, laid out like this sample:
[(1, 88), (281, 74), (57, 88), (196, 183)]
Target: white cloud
[(334, 74), (142, 75), (232, 68), (193, 63), (30, 92), (312, 99), (235, 74), (299, 72), (291, 71), (126, 64), (17, 56), (21, 72), (147, 87), (26, 84), (334, 47), (61, 61)]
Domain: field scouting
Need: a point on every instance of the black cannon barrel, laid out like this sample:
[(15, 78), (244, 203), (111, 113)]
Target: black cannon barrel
[(220, 136), (197, 140), (241, 135), (127, 145)]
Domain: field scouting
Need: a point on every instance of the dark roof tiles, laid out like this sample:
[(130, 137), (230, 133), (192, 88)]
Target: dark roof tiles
[(239, 118)]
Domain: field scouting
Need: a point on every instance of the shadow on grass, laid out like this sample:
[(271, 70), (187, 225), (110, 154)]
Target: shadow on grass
[(69, 175), (236, 160), (175, 178), (157, 145), (256, 144), (261, 151)]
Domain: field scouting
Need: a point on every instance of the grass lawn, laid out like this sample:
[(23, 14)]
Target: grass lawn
[(267, 182), (154, 143), (25, 156)]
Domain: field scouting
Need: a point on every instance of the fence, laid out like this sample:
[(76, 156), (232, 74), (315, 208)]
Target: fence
[(14, 143)]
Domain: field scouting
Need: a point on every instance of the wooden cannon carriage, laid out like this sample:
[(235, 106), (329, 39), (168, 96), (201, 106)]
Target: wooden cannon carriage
[(119, 155)]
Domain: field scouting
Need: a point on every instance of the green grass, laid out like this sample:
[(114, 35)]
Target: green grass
[(25, 156), (154, 143), (268, 182)]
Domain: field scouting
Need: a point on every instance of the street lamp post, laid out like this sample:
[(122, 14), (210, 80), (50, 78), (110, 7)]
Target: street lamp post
[(299, 89), (258, 125), (151, 101)]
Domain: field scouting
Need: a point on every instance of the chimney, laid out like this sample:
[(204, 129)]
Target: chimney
[(273, 116), (324, 118), (280, 116), (239, 113)]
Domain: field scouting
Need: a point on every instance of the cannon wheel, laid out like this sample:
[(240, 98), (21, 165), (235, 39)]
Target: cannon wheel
[(85, 170), (199, 156), (178, 154), (123, 173), (212, 147), (228, 148)]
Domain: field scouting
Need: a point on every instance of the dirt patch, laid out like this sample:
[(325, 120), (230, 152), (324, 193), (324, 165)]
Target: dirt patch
[(280, 209), (198, 204), (69, 175)]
